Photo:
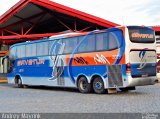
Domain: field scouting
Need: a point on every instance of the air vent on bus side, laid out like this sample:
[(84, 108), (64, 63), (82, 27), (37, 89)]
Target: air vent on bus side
[(115, 75)]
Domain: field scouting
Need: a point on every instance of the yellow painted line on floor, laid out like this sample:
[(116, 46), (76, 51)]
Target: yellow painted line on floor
[(3, 81)]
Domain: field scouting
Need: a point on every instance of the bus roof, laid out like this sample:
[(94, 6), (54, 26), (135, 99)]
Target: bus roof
[(60, 36), (69, 35), (66, 35)]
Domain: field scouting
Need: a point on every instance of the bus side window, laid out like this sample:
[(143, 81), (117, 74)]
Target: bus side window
[(31, 50), (51, 47), (101, 42), (42, 48), (12, 53), (75, 43), (91, 43), (21, 51), (88, 44), (68, 47), (70, 44), (113, 41), (82, 46)]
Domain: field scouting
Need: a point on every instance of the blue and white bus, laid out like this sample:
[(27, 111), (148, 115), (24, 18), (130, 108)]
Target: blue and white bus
[(121, 57)]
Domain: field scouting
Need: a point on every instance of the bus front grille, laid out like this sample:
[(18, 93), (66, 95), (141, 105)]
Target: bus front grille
[(115, 76)]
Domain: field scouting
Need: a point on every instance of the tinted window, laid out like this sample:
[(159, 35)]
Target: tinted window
[(115, 40), (30, 50), (56, 47), (109, 40), (21, 51), (70, 44), (101, 41), (42, 48), (88, 44), (12, 53), (51, 47), (141, 34)]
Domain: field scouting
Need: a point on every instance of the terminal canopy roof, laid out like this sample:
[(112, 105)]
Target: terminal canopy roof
[(157, 29), (35, 19), (157, 32)]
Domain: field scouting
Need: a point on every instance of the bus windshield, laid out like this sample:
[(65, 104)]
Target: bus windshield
[(141, 34)]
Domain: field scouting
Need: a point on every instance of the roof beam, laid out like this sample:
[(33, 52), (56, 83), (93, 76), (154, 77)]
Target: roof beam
[(62, 23), (24, 20), (13, 10), (85, 28), (56, 17), (75, 13), (37, 22), (28, 36), (11, 32)]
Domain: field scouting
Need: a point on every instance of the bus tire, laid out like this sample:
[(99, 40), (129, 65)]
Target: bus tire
[(19, 83), (98, 85), (83, 85)]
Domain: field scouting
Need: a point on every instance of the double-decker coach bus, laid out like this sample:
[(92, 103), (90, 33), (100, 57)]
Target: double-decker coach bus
[(120, 57)]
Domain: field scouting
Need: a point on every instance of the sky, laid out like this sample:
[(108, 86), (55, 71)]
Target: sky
[(123, 12)]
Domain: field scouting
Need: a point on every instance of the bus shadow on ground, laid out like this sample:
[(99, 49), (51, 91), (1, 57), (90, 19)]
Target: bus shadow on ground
[(131, 93), (49, 88), (74, 90)]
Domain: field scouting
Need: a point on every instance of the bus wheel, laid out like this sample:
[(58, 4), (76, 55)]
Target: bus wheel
[(98, 85), (19, 83), (83, 85)]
